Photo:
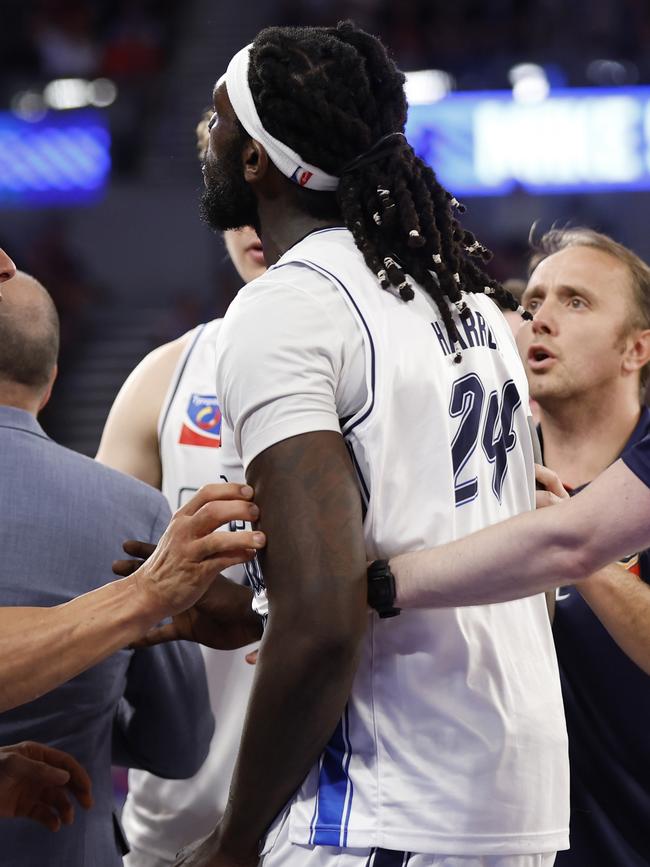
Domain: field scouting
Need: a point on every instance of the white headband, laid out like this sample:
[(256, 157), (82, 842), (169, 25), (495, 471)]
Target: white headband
[(286, 160)]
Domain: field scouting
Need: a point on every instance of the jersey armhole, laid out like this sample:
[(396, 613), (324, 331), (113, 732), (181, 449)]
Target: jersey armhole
[(176, 381)]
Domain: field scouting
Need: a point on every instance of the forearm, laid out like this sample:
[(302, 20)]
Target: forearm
[(297, 701), (521, 557), (315, 572), (44, 647), (533, 552), (621, 601)]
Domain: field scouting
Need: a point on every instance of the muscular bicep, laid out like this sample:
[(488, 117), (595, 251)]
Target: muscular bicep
[(314, 564)]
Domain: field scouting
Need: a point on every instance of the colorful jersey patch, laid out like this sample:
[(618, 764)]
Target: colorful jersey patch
[(202, 423)]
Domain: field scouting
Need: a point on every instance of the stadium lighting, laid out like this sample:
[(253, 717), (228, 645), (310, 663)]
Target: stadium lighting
[(606, 72), (102, 92), (529, 83), (68, 93), (427, 85), (28, 105)]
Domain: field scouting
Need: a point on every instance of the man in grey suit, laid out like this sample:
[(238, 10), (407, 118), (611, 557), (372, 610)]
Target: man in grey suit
[(64, 518)]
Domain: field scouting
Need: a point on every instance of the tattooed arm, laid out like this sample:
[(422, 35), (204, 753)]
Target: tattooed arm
[(315, 572)]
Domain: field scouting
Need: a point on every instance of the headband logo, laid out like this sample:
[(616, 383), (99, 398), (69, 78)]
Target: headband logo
[(302, 177)]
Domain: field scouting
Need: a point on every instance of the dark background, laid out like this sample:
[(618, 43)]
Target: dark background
[(138, 268)]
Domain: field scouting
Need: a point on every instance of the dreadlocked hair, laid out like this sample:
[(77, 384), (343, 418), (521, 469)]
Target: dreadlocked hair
[(332, 94)]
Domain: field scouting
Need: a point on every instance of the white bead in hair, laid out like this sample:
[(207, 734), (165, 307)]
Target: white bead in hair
[(473, 247), (457, 277), (414, 233), (389, 263), (382, 275), (377, 218), (437, 258), (454, 202), (489, 290), (383, 192)]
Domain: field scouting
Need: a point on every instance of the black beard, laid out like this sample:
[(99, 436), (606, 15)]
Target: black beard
[(228, 202)]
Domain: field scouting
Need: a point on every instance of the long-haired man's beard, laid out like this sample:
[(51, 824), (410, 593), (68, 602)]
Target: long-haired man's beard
[(228, 201)]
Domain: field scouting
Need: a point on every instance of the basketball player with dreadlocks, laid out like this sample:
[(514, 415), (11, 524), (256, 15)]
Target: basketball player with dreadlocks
[(378, 405)]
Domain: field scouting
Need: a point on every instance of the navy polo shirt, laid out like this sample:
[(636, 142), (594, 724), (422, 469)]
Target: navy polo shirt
[(637, 457), (607, 705)]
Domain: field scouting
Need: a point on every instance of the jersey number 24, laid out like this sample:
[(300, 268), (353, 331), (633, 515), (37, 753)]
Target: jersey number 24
[(494, 428)]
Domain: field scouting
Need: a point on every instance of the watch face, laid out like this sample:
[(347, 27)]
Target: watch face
[(381, 589)]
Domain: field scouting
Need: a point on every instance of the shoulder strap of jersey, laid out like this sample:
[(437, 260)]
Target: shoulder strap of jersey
[(193, 337)]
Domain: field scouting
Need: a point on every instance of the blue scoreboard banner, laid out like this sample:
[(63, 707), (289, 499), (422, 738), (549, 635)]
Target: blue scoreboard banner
[(62, 159), (575, 140)]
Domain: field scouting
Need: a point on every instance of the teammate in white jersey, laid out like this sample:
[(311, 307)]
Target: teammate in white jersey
[(165, 428), (378, 405), (130, 440)]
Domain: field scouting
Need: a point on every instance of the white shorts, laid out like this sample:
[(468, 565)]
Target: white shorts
[(279, 851), (139, 858)]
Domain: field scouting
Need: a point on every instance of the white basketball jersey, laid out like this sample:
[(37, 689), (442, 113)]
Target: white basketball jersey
[(453, 740), (190, 426), (160, 816)]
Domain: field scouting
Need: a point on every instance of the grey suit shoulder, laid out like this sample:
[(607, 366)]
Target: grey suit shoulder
[(64, 518)]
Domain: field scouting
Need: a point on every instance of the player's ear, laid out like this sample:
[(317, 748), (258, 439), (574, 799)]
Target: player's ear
[(255, 160), (637, 351)]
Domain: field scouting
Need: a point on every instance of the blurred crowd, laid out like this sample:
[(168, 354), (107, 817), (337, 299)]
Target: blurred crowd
[(86, 38), (478, 42), (129, 42)]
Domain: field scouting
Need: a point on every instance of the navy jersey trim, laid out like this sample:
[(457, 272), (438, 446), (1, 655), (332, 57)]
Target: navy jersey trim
[(388, 858), (347, 425), (304, 238), (189, 351), (365, 492), (253, 572), (355, 421)]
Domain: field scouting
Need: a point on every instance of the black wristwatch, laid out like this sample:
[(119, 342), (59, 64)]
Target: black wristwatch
[(381, 589)]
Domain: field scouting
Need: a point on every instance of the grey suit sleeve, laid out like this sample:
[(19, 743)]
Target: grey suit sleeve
[(163, 723)]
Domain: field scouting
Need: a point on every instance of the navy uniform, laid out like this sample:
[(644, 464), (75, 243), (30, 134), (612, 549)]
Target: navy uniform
[(607, 705)]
